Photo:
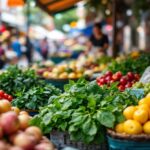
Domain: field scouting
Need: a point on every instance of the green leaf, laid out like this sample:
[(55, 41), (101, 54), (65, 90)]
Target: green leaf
[(47, 118), (89, 127), (106, 118)]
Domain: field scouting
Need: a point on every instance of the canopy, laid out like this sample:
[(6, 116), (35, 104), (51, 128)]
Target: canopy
[(54, 6)]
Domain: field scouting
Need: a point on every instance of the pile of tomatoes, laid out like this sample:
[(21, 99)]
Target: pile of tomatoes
[(124, 81), (6, 96)]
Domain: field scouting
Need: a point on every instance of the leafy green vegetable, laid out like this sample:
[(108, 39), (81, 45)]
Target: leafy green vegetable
[(83, 110), (129, 64), (30, 92)]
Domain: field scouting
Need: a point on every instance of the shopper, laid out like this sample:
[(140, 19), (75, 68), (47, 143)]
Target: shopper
[(16, 46), (98, 42), (44, 48)]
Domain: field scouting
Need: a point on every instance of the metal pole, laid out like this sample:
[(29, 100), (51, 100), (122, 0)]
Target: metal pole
[(114, 4), (28, 16)]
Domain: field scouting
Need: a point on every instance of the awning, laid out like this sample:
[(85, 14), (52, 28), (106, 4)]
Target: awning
[(55, 6)]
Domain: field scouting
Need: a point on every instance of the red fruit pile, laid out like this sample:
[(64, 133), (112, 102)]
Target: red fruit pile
[(124, 82), (6, 96)]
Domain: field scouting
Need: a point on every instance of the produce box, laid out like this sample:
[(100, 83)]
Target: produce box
[(117, 141), (62, 139)]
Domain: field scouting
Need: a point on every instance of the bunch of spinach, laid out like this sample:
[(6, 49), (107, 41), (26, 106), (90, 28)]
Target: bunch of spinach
[(83, 110), (129, 64), (35, 97), (14, 80)]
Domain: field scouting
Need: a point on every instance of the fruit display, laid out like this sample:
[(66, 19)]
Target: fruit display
[(6, 96), (29, 92), (84, 108), (137, 118), (15, 132), (124, 81), (136, 65), (67, 71)]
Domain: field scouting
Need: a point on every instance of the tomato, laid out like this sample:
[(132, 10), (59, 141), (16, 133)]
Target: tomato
[(108, 78), (10, 97), (118, 74), (108, 73), (121, 88), (137, 77), (115, 78), (102, 81), (130, 76), (123, 80), (5, 96), (128, 85), (1, 92)]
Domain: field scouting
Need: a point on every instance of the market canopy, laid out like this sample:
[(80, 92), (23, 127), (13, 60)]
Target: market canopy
[(54, 6)]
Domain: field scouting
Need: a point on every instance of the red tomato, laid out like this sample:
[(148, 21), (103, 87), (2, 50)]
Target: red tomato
[(115, 78), (108, 73), (121, 88), (128, 85), (137, 77), (102, 81), (5, 96), (130, 76), (123, 80), (10, 97), (1, 92), (119, 74), (108, 79)]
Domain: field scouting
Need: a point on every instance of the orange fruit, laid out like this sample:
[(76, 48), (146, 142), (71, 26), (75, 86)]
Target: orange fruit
[(119, 128), (145, 100), (132, 127), (144, 106), (146, 127), (148, 95), (141, 115), (129, 111)]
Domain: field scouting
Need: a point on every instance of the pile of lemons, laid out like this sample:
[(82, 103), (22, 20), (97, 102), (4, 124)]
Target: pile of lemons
[(137, 118)]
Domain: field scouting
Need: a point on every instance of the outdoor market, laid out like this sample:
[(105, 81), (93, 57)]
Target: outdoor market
[(74, 75)]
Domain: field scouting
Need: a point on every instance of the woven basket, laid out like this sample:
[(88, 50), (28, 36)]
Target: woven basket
[(119, 141), (62, 139)]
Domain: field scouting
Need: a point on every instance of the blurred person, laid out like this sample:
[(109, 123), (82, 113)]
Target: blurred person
[(16, 46), (98, 42), (2, 56), (44, 48), (29, 48)]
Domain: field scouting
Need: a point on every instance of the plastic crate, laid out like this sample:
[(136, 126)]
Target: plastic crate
[(117, 144), (62, 139)]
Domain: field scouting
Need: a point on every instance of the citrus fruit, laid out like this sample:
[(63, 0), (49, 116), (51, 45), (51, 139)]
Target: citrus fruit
[(144, 106), (129, 111), (132, 127), (145, 100), (119, 128), (148, 95), (141, 115), (146, 127)]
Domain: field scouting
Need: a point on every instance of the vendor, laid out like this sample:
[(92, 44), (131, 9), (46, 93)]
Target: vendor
[(98, 42)]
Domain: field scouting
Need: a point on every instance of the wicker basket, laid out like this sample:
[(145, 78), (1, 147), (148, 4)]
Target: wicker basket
[(119, 141), (62, 139)]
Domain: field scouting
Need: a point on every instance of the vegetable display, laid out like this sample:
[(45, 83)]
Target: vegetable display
[(35, 97), (16, 134), (124, 82), (137, 118), (28, 90), (145, 86), (84, 109), (136, 65)]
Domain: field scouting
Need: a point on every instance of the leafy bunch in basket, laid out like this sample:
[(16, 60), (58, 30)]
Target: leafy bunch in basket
[(137, 65), (28, 90), (84, 109)]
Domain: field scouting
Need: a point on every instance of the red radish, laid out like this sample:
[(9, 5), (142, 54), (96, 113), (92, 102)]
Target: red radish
[(109, 73), (118, 74), (128, 85), (121, 88), (9, 122), (137, 76)]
